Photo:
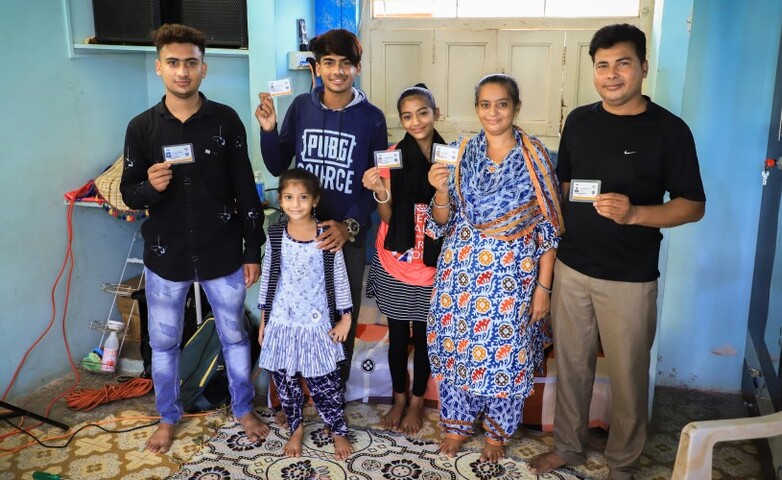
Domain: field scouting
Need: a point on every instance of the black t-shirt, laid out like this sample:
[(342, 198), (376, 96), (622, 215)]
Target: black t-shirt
[(642, 156), (209, 220)]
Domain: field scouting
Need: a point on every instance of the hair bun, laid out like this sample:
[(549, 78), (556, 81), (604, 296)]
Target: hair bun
[(421, 85)]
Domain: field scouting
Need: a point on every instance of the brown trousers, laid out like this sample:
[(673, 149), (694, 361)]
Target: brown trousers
[(622, 316)]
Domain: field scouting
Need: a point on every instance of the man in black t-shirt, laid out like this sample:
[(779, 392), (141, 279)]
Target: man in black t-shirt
[(617, 160)]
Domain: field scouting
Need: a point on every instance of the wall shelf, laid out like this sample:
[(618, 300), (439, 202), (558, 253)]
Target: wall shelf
[(95, 48), (79, 29)]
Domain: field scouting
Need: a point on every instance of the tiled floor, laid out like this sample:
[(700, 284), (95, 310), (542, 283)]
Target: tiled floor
[(673, 408)]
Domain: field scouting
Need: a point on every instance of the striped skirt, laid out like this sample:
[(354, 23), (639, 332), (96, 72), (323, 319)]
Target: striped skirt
[(395, 299), (305, 349)]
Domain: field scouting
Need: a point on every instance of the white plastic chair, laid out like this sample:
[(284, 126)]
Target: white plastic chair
[(696, 445)]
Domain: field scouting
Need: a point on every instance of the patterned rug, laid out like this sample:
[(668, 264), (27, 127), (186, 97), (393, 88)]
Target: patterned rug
[(94, 454), (377, 455)]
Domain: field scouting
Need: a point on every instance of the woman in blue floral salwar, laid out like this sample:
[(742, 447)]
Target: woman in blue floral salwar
[(498, 211)]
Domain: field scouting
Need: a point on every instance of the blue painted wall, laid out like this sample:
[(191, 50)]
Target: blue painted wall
[(64, 121), (726, 90)]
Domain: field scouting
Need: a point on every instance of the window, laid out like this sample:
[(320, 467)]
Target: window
[(505, 9)]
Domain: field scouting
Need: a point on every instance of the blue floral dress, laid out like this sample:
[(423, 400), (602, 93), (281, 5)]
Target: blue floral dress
[(479, 334)]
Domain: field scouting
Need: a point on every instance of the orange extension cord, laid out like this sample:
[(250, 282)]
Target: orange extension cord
[(83, 399), (86, 399), (68, 262)]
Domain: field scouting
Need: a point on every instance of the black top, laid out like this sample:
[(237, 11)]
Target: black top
[(197, 225), (642, 156), (410, 186)]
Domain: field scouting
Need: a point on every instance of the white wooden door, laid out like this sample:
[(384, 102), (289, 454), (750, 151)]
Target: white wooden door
[(399, 59), (579, 88), (462, 57), (534, 59)]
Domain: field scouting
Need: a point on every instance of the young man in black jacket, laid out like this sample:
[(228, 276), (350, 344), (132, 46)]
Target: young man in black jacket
[(186, 162)]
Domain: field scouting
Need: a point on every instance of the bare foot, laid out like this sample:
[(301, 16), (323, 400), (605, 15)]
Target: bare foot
[(414, 419), (293, 447), (451, 446), (492, 452), (281, 419), (161, 439), (391, 420), (255, 429), (342, 447), (545, 463)]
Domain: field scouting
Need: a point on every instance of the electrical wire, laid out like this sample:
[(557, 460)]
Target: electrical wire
[(68, 261), (83, 399), (74, 433), (86, 399), (36, 441)]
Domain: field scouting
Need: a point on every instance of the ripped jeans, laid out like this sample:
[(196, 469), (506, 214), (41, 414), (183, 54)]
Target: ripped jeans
[(166, 309)]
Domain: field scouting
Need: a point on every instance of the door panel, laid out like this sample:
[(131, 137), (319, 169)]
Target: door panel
[(462, 57), (403, 58), (579, 90), (534, 59)]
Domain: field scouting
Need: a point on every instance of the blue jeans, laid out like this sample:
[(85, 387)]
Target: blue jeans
[(166, 308)]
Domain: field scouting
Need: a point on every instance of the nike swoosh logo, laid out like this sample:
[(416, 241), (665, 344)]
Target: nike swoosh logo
[(629, 152)]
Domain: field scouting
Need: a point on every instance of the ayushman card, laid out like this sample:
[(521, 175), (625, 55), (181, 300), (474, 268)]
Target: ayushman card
[(388, 159), (445, 154), (176, 154), (278, 88), (584, 190)]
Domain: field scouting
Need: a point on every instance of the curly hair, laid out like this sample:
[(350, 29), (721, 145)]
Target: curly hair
[(176, 33)]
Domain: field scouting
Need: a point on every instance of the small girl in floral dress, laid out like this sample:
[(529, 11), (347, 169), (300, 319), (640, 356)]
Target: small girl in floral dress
[(305, 313)]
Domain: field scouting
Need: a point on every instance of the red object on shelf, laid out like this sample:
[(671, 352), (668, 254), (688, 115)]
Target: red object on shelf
[(85, 193), (771, 163)]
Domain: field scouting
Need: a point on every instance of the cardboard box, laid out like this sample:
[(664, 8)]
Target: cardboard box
[(129, 309), (132, 326)]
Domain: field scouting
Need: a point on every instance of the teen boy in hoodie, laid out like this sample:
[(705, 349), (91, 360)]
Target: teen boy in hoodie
[(332, 132)]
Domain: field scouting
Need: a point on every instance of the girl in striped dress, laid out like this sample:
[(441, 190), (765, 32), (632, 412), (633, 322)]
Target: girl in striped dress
[(305, 313), (402, 271)]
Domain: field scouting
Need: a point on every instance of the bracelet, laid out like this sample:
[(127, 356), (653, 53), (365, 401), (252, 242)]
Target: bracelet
[(437, 205), (547, 290), (388, 196)]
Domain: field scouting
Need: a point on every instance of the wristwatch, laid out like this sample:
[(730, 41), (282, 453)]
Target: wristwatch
[(353, 228)]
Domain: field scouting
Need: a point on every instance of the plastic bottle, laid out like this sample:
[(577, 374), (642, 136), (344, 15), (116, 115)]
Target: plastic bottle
[(110, 351), (259, 185)]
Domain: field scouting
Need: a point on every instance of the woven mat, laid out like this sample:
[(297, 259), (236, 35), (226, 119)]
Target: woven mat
[(94, 454), (378, 455)]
